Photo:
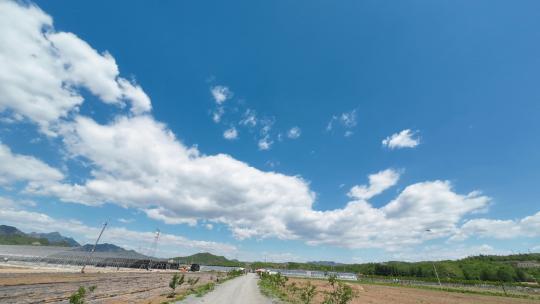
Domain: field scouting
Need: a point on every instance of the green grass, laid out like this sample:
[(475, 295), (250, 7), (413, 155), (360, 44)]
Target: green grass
[(271, 291), (204, 289)]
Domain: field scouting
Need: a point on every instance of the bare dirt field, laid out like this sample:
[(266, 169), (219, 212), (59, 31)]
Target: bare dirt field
[(378, 294), (26, 286)]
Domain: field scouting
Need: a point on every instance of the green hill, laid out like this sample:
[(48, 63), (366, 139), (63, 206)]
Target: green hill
[(10, 235), (207, 258)]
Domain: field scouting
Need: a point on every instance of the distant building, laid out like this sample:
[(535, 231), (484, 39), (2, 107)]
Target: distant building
[(528, 265)]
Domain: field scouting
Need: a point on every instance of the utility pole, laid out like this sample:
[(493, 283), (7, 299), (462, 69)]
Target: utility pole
[(94, 248), (435, 268), (154, 248), (437, 274)]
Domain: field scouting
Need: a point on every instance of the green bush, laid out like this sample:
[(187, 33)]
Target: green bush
[(192, 282), (234, 273), (79, 296), (204, 289), (341, 293), (176, 281), (307, 293)]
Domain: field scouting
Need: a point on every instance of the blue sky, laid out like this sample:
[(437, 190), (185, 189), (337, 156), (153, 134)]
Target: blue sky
[(128, 130)]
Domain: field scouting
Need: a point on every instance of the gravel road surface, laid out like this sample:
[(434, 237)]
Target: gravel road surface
[(242, 290)]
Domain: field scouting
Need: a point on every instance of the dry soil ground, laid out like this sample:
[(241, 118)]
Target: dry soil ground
[(378, 294), (20, 286)]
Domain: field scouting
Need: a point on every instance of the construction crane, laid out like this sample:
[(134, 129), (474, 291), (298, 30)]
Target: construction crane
[(94, 248)]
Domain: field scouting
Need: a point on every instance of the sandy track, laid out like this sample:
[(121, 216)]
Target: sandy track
[(241, 290)]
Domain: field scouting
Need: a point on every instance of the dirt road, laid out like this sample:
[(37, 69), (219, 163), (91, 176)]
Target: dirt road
[(242, 290)]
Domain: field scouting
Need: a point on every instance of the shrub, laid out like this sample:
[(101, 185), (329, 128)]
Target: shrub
[(307, 293), (192, 282), (234, 273), (203, 289), (79, 296), (176, 281), (341, 293)]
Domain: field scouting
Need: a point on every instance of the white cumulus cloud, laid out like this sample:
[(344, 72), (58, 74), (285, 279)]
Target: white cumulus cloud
[(42, 69), (378, 182), (500, 229), (16, 167), (138, 162), (403, 139)]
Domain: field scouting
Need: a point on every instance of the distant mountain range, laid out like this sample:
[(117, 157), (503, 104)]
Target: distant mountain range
[(56, 238), (325, 263), (10, 235)]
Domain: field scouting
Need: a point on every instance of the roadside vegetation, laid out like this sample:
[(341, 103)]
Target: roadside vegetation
[(79, 297), (197, 290), (176, 281), (277, 286)]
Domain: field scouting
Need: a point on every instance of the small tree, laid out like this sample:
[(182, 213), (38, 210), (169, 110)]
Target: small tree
[(332, 279), (307, 293), (341, 293), (192, 282), (504, 275), (292, 288), (79, 296), (176, 281)]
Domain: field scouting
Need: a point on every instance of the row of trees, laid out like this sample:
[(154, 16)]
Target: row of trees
[(479, 268)]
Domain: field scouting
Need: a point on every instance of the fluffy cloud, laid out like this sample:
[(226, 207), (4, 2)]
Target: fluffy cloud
[(221, 93), (39, 222), (230, 133), (400, 223), (403, 139), (378, 182), (42, 69), (15, 168), (501, 229), (294, 133), (137, 162)]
